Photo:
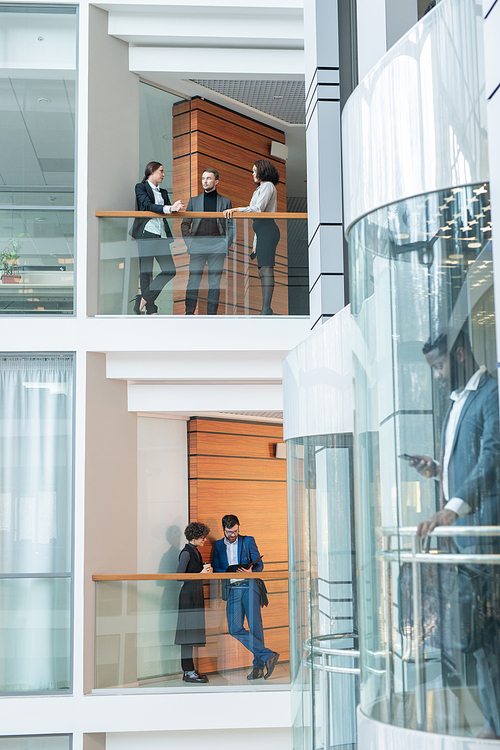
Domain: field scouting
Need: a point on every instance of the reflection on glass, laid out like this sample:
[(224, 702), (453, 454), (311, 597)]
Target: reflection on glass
[(36, 455), (37, 159), (238, 283), (36, 444), (136, 625), (35, 623), (38, 109), (36, 261), (427, 443), (323, 605)]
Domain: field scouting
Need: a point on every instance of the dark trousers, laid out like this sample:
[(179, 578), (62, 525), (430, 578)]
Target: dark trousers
[(187, 662), (151, 247), (197, 262), (244, 601)]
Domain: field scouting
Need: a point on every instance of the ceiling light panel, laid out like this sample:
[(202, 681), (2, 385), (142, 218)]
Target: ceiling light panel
[(284, 100)]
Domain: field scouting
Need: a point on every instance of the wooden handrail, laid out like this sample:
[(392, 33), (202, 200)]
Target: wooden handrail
[(196, 215), (266, 576)]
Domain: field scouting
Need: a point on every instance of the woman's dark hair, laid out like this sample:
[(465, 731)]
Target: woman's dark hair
[(266, 171), (196, 530), (229, 521), (151, 167)]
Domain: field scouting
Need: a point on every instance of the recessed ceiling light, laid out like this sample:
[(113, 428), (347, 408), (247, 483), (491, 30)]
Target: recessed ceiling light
[(474, 244), (43, 100), (457, 256), (402, 236)]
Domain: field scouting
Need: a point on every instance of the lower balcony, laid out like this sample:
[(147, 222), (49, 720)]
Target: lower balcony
[(141, 620)]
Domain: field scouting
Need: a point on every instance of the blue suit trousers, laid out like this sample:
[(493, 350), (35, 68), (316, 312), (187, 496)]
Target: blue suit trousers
[(244, 601)]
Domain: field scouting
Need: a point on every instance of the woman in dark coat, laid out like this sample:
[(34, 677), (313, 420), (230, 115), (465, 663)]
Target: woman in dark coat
[(191, 618)]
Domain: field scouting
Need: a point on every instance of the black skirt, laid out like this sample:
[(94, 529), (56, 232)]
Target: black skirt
[(268, 236)]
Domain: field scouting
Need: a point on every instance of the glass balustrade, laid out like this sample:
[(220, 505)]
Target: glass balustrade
[(208, 272), (138, 624), (36, 261), (424, 338)]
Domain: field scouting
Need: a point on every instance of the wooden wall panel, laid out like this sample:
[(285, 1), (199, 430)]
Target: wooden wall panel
[(208, 135), (232, 470)]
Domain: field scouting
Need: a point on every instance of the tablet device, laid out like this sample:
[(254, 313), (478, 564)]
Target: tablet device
[(234, 568)]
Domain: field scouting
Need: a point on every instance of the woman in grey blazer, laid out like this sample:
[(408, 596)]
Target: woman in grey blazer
[(267, 233)]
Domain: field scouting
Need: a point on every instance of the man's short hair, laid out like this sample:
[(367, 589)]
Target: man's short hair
[(229, 521), (440, 343), (213, 171)]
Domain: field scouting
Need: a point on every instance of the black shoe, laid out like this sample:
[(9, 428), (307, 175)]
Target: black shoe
[(270, 664), (151, 308), (266, 312), (195, 678), (256, 674), (137, 304)]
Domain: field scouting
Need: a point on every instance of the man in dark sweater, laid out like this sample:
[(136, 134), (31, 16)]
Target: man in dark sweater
[(208, 241)]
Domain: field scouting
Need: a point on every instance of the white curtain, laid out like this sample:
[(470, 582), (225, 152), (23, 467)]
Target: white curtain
[(36, 476)]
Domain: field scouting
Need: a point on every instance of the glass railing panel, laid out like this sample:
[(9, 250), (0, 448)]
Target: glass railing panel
[(36, 261), (139, 630), (205, 274), (35, 621)]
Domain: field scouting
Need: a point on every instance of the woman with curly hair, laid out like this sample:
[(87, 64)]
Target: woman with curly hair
[(267, 234), (191, 618)]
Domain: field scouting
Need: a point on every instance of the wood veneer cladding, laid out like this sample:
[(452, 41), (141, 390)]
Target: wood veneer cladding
[(208, 135), (232, 469)]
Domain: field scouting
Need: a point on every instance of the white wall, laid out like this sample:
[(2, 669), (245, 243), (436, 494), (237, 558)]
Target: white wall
[(162, 489)]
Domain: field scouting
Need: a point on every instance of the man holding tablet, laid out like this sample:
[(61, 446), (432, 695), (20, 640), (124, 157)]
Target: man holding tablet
[(242, 595)]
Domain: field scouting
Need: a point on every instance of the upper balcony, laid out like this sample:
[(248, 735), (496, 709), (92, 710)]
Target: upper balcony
[(205, 265)]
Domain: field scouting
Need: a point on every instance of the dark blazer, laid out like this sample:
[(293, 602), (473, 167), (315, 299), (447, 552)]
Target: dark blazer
[(474, 467), (220, 563), (146, 202), (190, 227)]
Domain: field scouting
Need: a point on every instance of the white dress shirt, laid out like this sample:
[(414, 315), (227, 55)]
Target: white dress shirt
[(156, 226), (232, 556), (459, 398)]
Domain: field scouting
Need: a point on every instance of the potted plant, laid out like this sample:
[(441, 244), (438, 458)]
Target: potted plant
[(9, 260)]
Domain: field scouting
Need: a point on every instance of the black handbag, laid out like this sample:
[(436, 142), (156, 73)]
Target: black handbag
[(264, 599)]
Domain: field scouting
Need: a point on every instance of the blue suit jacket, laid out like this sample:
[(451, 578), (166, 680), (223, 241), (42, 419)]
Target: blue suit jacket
[(474, 467), (220, 563), (219, 559)]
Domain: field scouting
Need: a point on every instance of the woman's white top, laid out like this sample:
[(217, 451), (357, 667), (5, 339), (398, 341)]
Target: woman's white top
[(156, 226), (264, 200)]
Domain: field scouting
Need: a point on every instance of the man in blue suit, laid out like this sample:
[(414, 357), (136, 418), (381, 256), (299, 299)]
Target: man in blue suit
[(469, 475), (243, 598)]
